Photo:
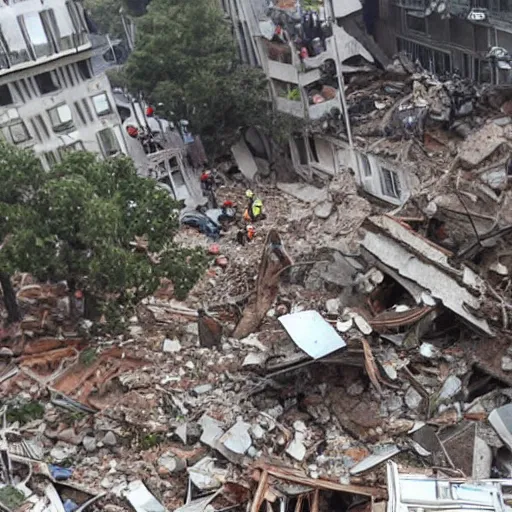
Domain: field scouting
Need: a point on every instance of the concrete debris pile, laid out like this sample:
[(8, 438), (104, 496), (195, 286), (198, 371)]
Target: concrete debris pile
[(287, 379), (349, 357)]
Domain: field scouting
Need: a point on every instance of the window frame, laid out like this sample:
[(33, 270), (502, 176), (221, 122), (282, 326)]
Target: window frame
[(9, 93), (102, 145), (394, 180), (103, 112), (24, 126), (64, 125), (365, 164), (54, 79)]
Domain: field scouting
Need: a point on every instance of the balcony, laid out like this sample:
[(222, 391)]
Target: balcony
[(291, 107), (318, 110), (283, 71)]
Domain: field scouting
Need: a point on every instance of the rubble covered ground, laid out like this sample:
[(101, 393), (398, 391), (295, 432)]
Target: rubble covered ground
[(346, 334)]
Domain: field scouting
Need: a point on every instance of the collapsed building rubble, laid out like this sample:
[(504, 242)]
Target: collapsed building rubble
[(250, 418), (347, 341)]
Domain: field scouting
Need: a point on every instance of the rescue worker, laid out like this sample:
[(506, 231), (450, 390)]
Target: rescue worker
[(254, 210), (246, 235), (250, 197), (207, 185), (206, 180)]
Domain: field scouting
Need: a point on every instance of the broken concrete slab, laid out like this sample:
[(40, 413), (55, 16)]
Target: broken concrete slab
[(181, 432), (501, 421), (304, 192), (296, 448), (141, 499), (412, 398), (237, 438), (385, 453), (171, 346), (171, 464), (244, 159), (481, 144), (398, 247), (324, 210), (202, 389), (206, 476), (212, 430), (451, 386)]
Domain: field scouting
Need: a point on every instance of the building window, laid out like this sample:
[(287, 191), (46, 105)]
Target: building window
[(76, 18), (506, 5), (301, 149), (71, 148), (365, 165), (61, 77), (84, 69), (19, 132), (124, 113), (47, 82), (312, 146), (416, 23), (4, 53), (61, 118), (35, 35), (108, 142), (390, 183), (51, 28), (5, 96), (432, 60), (101, 104)]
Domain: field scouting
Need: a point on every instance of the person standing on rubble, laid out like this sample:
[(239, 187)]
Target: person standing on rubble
[(207, 185), (254, 210)]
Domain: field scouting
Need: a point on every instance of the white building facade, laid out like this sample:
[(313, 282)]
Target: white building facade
[(53, 101), (50, 100)]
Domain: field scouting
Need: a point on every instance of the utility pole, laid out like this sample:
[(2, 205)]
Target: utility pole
[(339, 73)]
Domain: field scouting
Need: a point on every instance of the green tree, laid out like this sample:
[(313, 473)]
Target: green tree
[(186, 59), (106, 14), (80, 220)]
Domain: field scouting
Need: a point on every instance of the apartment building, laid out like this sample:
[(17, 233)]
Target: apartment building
[(54, 97), (305, 81), (50, 100), (470, 37)]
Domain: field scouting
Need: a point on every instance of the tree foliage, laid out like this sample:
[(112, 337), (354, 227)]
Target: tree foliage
[(78, 222), (106, 14), (185, 59)]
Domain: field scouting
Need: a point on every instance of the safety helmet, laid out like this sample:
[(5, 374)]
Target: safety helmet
[(249, 193), (258, 203)]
